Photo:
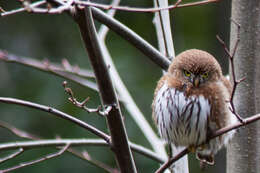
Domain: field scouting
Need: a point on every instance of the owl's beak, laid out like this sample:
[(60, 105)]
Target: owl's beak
[(196, 82)]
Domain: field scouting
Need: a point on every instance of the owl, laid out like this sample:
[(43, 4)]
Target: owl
[(191, 102)]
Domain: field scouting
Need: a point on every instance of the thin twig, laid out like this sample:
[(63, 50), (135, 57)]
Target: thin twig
[(172, 160), (49, 10), (231, 59), (74, 152), (46, 65), (82, 104), (163, 29), (74, 74), (143, 10), (17, 132), (11, 156), (44, 158), (102, 33), (76, 142), (33, 7), (57, 113), (51, 143), (137, 41)]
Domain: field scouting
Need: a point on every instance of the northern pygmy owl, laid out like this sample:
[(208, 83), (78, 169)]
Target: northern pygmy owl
[(191, 102)]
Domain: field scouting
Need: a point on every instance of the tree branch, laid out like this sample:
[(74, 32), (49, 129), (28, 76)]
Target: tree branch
[(44, 158), (142, 45), (76, 142), (234, 78), (57, 113), (12, 155), (78, 76), (144, 10), (82, 155), (132, 37), (66, 6), (103, 30), (163, 29), (115, 123)]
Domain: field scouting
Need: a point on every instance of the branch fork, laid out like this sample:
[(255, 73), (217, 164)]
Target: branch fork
[(24, 164), (82, 104), (235, 80)]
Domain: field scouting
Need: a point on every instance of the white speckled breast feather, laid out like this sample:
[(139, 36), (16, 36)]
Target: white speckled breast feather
[(181, 120), (184, 120)]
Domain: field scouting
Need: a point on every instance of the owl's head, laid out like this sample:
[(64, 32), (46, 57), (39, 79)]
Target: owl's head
[(195, 67)]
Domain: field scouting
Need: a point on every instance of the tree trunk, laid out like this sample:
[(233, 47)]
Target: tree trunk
[(243, 153)]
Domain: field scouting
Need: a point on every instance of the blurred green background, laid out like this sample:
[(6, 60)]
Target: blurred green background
[(55, 37)]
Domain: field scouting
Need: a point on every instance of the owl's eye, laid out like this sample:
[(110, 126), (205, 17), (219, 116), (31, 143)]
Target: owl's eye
[(186, 73), (205, 75)]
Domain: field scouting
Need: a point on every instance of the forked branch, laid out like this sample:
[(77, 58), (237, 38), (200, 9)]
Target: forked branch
[(44, 158), (231, 56), (34, 7), (83, 105), (57, 113)]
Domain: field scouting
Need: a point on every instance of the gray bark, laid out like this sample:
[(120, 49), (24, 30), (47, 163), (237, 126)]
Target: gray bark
[(243, 152)]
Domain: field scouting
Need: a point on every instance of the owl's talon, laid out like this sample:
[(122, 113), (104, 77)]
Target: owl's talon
[(202, 146), (192, 149)]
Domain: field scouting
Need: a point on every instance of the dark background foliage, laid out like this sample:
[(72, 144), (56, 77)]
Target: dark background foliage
[(55, 37)]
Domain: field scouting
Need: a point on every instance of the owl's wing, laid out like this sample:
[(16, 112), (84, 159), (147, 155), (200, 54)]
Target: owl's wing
[(227, 84)]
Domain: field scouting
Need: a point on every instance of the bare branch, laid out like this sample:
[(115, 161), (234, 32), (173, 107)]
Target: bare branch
[(33, 5), (231, 59), (49, 10), (47, 157), (132, 37), (163, 29), (76, 142), (45, 65), (52, 143), (143, 10), (74, 74), (11, 156), (57, 113), (17, 132), (79, 154), (104, 29), (82, 104), (115, 122), (66, 6), (85, 156), (172, 160), (146, 48)]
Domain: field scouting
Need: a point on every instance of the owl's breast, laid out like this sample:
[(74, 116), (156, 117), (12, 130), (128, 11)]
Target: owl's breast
[(180, 119)]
